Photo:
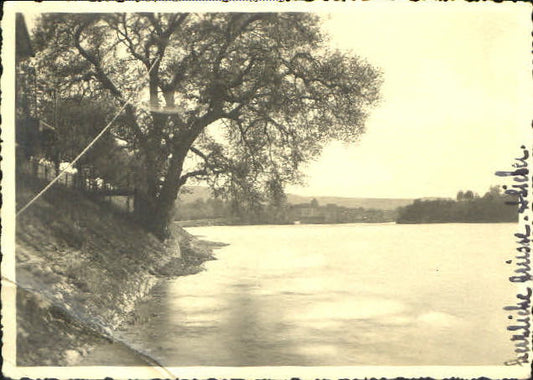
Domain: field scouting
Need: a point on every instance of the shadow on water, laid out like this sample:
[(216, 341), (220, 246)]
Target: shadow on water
[(207, 334)]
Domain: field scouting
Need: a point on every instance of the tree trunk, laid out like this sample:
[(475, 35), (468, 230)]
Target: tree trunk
[(154, 209), (145, 212)]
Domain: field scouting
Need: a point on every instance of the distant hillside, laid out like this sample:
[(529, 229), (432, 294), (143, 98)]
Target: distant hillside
[(202, 192), (377, 203)]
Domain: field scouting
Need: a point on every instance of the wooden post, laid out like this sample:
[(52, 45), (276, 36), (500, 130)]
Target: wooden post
[(34, 168), (128, 192), (82, 182), (93, 180)]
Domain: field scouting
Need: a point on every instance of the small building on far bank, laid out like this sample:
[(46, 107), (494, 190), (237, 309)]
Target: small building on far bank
[(313, 213), (306, 213)]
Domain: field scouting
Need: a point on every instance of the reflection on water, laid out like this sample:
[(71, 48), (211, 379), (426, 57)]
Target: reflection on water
[(337, 295)]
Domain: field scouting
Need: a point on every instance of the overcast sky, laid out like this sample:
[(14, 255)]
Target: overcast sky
[(456, 97), (456, 94)]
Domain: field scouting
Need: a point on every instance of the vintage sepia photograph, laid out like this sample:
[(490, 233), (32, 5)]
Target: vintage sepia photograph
[(271, 187)]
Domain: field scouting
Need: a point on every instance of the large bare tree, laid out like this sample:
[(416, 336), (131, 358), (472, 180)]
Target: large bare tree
[(245, 97)]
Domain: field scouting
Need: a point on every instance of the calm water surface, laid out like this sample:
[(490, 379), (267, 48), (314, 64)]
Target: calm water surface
[(354, 294)]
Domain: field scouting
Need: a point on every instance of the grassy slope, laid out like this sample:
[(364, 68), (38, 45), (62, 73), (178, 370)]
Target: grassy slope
[(81, 268)]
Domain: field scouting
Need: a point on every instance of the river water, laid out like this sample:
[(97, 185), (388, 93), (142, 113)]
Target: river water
[(352, 294)]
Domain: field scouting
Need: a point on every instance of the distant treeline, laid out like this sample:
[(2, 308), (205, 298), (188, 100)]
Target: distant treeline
[(468, 207), (220, 212)]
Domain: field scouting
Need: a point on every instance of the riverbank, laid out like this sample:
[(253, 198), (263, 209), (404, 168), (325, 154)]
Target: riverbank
[(81, 270)]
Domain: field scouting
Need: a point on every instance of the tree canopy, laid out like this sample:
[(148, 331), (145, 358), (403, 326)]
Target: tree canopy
[(238, 99)]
